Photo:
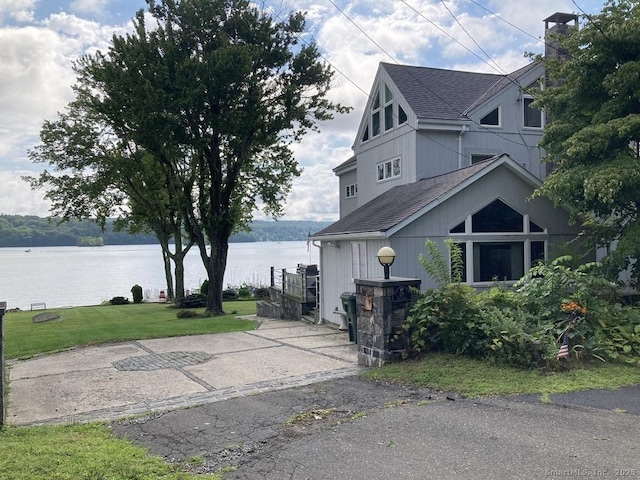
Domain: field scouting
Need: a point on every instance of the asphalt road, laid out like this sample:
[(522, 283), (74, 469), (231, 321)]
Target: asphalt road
[(353, 428)]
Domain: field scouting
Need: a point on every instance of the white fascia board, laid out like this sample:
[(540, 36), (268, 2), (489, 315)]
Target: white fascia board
[(442, 125), (341, 169), (349, 236)]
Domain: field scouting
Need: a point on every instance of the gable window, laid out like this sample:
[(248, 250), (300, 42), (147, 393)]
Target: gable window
[(375, 116), (499, 243), (365, 135), (351, 190), (402, 115), (388, 109), (492, 118), (389, 169), (532, 117)]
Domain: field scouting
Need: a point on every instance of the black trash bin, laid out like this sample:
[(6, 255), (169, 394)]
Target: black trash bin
[(349, 306)]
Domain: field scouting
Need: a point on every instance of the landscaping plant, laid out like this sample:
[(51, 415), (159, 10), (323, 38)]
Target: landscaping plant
[(552, 314)]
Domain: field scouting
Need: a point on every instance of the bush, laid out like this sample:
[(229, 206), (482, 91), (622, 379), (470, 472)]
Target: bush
[(189, 314), (136, 291), (119, 301), (261, 293), (245, 292), (192, 301), (523, 326), (204, 288)]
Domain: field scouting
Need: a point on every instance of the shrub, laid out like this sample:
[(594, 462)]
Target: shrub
[(204, 288), (189, 314), (245, 292), (523, 326), (136, 291), (119, 301), (261, 293)]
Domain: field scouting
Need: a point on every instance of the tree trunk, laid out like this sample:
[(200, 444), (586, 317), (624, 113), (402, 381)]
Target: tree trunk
[(216, 264), (166, 259), (178, 260)]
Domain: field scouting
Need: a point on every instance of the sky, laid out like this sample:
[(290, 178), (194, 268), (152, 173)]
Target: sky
[(40, 39)]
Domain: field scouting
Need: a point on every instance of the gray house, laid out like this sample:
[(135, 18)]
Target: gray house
[(443, 154)]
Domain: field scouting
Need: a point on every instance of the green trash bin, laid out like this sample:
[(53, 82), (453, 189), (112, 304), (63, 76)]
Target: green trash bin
[(349, 306)]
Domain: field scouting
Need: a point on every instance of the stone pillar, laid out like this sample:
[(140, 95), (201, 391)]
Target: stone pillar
[(382, 307), (3, 308)]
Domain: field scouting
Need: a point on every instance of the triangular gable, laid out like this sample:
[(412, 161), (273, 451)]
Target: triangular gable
[(383, 94), (491, 165), (398, 207)]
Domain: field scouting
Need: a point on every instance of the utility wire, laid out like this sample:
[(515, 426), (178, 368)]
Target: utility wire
[(444, 100)]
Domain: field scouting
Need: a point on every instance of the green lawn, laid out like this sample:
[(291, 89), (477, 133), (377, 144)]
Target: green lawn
[(91, 451), (473, 378), (82, 326), (72, 452)]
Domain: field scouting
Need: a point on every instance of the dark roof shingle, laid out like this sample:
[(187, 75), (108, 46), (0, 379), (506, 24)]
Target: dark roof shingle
[(395, 205), (440, 94)]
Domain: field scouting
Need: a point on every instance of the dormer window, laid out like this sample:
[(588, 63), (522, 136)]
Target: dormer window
[(491, 119)]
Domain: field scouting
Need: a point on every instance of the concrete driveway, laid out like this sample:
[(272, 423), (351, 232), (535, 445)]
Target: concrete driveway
[(131, 378)]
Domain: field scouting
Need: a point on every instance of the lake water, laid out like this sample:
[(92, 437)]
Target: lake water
[(73, 276)]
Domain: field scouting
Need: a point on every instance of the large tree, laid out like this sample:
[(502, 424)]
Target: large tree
[(594, 132), (216, 91), (97, 175)]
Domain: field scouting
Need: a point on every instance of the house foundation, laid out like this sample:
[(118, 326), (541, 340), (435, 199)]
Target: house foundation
[(382, 307)]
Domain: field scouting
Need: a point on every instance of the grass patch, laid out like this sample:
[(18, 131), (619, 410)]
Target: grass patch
[(79, 451), (474, 378), (84, 326)]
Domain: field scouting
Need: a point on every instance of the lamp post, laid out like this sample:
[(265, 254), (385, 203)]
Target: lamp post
[(386, 256)]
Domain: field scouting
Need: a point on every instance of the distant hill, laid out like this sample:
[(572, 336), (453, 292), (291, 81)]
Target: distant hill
[(32, 231)]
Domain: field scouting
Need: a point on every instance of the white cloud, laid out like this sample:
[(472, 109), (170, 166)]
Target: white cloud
[(19, 10), (35, 61), (89, 6), (17, 197)]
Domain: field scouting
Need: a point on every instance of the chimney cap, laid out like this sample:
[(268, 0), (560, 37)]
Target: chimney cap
[(559, 17)]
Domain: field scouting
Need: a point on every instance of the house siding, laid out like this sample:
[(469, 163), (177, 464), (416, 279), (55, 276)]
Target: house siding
[(335, 265), (396, 144), (348, 205)]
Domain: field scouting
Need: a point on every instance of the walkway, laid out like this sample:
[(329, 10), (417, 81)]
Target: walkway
[(133, 378)]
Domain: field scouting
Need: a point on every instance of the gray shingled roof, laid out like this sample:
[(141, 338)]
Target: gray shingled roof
[(397, 204), (440, 94), (513, 77)]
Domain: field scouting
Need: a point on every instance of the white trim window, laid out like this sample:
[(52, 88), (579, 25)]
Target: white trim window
[(389, 169), (351, 190), (499, 244), (532, 117), (492, 119)]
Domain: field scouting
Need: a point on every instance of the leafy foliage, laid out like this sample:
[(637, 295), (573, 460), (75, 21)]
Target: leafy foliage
[(523, 325), (593, 140), (187, 123), (136, 293)]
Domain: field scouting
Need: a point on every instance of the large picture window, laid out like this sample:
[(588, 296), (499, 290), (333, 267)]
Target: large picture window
[(499, 243)]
